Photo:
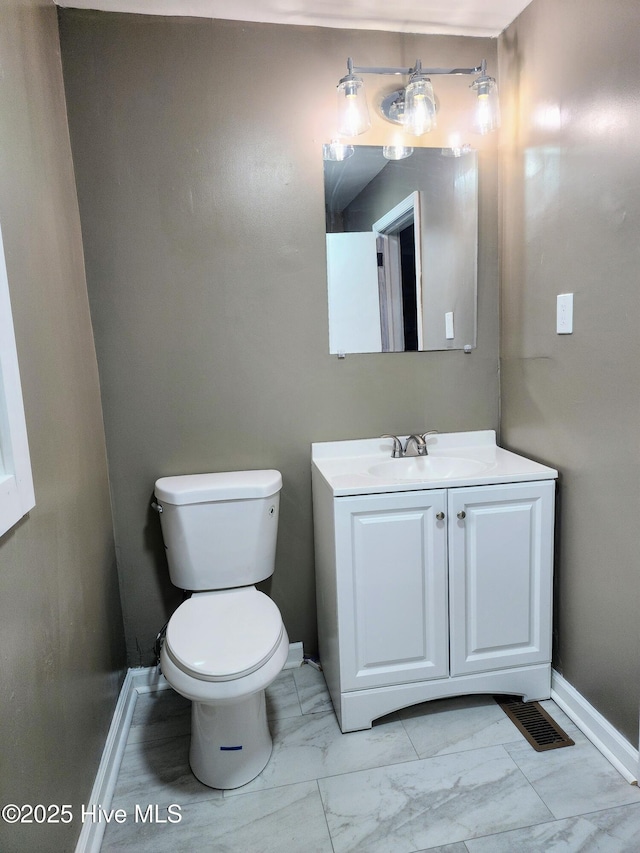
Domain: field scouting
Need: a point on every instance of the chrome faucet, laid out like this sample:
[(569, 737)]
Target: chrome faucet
[(420, 441)]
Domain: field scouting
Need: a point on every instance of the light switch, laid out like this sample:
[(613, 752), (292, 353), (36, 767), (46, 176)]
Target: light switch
[(564, 315), (448, 326)]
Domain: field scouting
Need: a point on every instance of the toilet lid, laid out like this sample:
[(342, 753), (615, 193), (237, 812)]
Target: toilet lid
[(220, 636)]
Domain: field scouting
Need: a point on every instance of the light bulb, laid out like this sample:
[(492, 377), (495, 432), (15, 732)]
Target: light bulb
[(419, 106), (353, 113), (487, 114)]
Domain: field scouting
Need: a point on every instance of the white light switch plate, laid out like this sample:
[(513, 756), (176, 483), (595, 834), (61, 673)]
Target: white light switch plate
[(564, 315), (448, 326)]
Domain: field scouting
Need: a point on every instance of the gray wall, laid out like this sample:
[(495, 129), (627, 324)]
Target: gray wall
[(204, 240), (61, 637), (571, 208), (197, 149)]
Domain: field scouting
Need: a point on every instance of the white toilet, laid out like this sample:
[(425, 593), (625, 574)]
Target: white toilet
[(227, 643)]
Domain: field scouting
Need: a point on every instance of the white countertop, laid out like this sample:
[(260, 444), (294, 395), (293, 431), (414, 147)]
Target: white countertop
[(346, 465)]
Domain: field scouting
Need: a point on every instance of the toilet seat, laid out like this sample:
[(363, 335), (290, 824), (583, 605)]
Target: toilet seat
[(224, 635)]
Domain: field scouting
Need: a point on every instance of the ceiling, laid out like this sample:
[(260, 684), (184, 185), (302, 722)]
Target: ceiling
[(452, 17)]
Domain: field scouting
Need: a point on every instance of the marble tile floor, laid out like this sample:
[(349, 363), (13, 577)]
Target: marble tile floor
[(450, 776)]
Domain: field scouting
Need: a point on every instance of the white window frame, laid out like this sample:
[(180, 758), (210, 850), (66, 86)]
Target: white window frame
[(17, 496)]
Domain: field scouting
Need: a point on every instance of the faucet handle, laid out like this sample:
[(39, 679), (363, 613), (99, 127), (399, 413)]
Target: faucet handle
[(424, 448), (396, 453)]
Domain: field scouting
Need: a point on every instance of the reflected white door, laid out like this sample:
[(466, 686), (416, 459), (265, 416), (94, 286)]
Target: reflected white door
[(354, 303)]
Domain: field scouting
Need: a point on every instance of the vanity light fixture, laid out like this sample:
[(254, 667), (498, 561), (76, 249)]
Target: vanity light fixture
[(456, 147), (414, 106), (396, 152), (487, 114), (353, 113), (336, 150)]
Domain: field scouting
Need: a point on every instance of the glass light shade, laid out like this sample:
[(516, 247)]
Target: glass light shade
[(456, 146), (336, 150), (396, 152), (487, 112), (419, 106), (353, 113)]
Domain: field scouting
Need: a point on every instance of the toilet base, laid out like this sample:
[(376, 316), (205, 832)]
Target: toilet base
[(230, 743)]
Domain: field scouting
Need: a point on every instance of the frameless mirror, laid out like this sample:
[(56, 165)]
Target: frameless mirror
[(402, 247)]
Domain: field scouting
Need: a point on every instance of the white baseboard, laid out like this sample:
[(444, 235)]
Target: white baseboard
[(608, 740), (92, 832), (148, 679), (143, 679)]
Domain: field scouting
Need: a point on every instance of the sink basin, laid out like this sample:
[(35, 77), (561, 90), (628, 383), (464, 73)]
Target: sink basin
[(417, 468), (365, 467)]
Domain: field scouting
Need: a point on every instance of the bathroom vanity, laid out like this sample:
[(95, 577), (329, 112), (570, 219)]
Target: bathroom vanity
[(434, 574)]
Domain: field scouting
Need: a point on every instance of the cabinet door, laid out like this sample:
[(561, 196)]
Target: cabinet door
[(500, 575), (392, 588)]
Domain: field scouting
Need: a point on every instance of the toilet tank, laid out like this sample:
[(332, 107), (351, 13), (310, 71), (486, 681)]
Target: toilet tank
[(220, 529)]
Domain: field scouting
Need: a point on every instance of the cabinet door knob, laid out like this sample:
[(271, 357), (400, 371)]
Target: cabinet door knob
[(462, 514), (440, 516)]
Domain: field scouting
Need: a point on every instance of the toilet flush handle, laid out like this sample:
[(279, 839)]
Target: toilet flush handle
[(156, 506)]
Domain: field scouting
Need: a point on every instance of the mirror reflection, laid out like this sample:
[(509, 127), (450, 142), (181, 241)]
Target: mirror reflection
[(402, 240)]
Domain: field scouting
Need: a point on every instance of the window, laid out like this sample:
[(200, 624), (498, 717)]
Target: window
[(16, 483)]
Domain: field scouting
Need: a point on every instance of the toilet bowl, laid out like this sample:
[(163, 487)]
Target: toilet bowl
[(223, 646), (222, 650)]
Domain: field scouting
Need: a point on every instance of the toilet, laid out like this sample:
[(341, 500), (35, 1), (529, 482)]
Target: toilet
[(226, 643)]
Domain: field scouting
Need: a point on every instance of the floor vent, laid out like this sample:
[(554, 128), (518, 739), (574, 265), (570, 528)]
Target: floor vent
[(536, 725)]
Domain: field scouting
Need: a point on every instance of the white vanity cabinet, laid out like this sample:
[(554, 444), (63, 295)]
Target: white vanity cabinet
[(427, 593), (500, 576), (392, 590)]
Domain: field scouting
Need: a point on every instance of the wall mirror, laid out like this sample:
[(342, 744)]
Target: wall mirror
[(402, 248)]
